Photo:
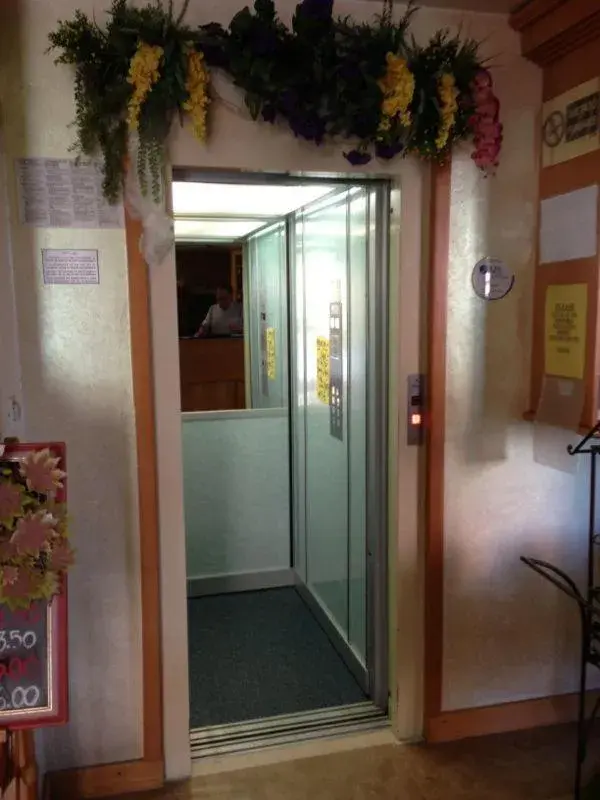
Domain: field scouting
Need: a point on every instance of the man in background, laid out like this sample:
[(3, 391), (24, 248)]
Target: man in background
[(225, 318)]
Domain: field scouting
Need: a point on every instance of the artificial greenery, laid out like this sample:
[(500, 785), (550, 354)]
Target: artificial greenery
[(325, 77)]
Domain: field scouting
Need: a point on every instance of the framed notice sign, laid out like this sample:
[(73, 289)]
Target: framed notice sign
[(33, 642)]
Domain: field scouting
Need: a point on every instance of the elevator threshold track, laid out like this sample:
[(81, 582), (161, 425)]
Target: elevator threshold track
[(244, 737)]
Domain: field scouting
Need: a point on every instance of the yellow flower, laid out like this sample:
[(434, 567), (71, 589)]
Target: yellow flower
[(197, 88), (143, 74), (398, 88), (447, 92)]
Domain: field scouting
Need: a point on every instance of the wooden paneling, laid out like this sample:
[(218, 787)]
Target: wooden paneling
[(570, 175), (436, 432), (212, 374), (563, 37), (105, 780), (143, 398), (574, 68), (551, 29), (24, 785), (539, 713), (203, 267)]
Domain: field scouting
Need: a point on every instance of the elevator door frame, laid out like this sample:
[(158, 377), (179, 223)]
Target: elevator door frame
[(377, 528), (158, 338), (377, 532)]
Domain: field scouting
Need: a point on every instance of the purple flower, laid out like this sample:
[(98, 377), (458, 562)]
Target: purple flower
[(264, 42), (289, 101), (361, 127), (357, 157), (388, 151), (269, 112), (318, 10), (310, 128)]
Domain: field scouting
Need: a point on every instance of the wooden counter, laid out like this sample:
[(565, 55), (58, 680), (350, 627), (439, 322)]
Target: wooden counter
[(212, 374)]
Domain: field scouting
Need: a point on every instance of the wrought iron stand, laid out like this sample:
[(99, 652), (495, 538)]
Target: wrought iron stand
[(588, 605)]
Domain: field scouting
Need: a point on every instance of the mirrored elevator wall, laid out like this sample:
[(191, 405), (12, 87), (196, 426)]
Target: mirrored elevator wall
[(294, 465)]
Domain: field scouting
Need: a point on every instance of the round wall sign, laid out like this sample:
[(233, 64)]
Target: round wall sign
[(492, 279)]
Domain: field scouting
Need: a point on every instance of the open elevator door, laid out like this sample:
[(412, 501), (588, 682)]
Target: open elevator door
[(338, 257)]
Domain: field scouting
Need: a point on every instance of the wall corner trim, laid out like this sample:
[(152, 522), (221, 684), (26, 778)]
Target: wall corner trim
[(467, 723), (105, 780), (551, 29), (439, 248)]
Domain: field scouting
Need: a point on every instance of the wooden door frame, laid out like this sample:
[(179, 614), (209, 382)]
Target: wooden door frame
[(439, 250), (148, 771)]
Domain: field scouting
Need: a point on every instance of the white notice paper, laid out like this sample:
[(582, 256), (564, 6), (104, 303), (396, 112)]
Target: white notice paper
[(64, 193), (569, 226), (70, 266)]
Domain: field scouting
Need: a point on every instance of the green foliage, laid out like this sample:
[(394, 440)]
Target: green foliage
[(101, 59), (320, 76), (443, 54)]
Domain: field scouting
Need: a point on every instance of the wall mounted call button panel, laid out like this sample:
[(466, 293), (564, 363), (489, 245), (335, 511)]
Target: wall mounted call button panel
[(415, 409)]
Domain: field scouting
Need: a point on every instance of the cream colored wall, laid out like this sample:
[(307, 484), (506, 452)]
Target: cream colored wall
[(11, 413), (76, 372), (511, 489), (236, 142), (77, 386)]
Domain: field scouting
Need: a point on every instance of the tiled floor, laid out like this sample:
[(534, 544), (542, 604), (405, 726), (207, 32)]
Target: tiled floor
[(524, 766)]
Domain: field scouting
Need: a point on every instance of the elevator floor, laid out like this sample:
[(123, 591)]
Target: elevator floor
[(261, 654)]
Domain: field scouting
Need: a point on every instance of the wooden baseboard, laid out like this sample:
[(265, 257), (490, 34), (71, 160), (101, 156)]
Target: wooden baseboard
[(105, 780), (467, 723)]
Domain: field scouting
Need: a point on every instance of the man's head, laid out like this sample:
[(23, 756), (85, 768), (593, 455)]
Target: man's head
[(224, 296)]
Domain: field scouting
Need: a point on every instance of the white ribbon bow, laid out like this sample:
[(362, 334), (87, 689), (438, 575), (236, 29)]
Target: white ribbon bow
[(158, 235)]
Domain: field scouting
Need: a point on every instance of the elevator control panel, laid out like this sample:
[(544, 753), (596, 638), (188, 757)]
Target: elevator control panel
[(415, 409)]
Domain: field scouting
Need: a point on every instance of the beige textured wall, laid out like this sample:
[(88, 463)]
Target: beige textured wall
[(76, 368), (77, 386), (511, 489)]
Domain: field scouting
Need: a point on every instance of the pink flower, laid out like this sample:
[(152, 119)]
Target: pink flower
[(40, 470), (33, 532), (483, 79), (488, 109), (61, 556), (9, 575), (23, 587), (7, 552), (10, 501), (487, 130)]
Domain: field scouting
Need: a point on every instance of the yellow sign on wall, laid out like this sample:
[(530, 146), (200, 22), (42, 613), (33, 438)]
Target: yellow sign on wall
[(271, 355), (323, 369), (565, 330)]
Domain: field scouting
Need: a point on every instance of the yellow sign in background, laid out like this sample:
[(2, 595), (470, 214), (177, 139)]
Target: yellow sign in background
[(323, 369), (565, 330), (271, 355)]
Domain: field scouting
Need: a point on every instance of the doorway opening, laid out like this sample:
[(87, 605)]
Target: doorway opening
[(283, 368)]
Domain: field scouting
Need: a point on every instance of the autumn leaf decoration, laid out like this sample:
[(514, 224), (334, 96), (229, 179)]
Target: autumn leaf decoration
[(35, 552)]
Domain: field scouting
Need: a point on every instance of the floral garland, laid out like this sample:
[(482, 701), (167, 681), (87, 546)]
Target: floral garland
[(34, 549), (326, 78)]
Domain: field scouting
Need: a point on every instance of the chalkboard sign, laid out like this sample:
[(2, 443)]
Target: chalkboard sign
[(33, 646)]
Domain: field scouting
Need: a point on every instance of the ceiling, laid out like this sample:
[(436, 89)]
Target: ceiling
[(226, 212), (491, 6)]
